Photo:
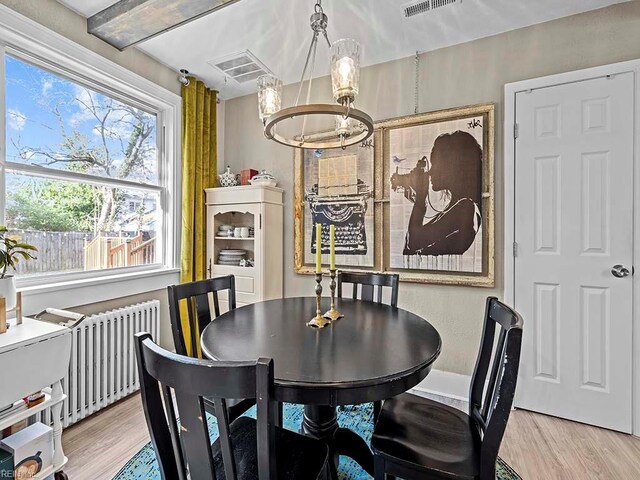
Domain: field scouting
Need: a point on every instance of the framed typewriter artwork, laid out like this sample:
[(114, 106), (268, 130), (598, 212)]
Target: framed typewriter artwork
[(418, 200), (336, 187)]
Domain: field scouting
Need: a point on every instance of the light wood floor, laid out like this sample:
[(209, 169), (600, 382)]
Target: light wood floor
[(537, 446)]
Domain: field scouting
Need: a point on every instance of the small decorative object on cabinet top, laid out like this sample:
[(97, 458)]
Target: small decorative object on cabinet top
[(228, 178), (246, 175), (264, 178)]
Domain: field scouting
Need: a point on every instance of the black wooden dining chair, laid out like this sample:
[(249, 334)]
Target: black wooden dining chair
[(246, 448), (419, 438), (368, 287), (198, 296)]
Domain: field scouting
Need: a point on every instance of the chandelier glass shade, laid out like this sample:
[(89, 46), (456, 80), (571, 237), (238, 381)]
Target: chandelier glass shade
[(269, 95), (345, 70), (350, 125)]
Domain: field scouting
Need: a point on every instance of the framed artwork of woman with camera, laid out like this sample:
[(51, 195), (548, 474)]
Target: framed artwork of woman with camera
[(438, 195)]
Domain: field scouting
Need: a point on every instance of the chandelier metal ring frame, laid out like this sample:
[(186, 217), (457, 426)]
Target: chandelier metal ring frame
[(318, 109), (352, 125)]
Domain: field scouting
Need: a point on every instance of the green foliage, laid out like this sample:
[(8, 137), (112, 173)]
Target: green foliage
[(52, 205), (13, 251)]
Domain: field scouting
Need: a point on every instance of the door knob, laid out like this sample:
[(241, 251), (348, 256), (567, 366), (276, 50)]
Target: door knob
[(620, 271)]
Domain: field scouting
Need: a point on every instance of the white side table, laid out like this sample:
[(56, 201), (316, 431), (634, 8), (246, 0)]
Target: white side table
[(35, 356)]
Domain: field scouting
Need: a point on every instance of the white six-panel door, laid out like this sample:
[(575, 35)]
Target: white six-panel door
[(573, 224)]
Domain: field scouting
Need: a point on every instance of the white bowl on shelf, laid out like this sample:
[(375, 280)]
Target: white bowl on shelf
[(264, 178)]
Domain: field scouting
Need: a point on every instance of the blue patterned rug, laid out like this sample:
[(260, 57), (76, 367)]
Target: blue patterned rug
[(143, 465)]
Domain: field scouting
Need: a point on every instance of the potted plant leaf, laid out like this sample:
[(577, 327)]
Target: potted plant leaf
[(12, 251)]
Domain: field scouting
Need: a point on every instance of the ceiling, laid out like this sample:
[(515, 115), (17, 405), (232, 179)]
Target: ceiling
[(277, 32)]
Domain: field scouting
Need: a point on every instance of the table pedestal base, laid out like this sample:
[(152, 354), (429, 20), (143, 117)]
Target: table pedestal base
[(321, 422)]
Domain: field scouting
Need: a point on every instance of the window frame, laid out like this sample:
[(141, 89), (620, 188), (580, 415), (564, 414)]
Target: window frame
[(33, 43)]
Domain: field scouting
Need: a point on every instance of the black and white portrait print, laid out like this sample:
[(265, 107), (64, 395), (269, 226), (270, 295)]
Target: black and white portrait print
[(436, 173)]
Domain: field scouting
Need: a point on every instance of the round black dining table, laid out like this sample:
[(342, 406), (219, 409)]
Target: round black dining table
[(375, 352)]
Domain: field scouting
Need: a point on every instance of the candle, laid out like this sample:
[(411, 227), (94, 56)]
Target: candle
[(332, 240), (318, 248)]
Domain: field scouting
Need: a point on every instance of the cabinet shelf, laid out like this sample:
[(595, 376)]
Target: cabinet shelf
[(9, 420), (244, 269), (250, 239)]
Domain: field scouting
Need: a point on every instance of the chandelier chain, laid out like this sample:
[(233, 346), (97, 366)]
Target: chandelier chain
[(416, 91)]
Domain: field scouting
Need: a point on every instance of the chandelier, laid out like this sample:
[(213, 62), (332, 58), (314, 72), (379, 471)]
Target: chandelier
[(350, 125)]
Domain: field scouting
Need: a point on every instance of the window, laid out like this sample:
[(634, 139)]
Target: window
[(61, 136), (83, 174)]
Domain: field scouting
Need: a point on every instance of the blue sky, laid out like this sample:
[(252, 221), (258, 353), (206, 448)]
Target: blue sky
[(24, 116), (32, 97)]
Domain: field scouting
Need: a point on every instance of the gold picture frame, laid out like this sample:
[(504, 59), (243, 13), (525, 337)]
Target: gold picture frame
[(300, 209), (475, 116), (478, 116)]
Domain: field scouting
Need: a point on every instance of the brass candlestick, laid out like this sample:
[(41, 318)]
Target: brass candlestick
[(318, 321), (333, 314), (4, 324), (3, 315)]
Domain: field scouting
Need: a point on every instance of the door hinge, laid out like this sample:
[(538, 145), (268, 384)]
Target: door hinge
[(516, 130), (209, 269), (260, 222), (515, 249)]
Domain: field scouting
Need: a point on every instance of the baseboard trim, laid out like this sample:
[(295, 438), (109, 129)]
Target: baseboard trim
[(456, 387), (444, 384)]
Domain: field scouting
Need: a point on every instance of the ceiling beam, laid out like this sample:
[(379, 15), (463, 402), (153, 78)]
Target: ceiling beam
[(128, 22)]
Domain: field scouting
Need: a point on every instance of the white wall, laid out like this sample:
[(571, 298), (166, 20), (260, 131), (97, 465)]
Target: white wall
[(465, 74)]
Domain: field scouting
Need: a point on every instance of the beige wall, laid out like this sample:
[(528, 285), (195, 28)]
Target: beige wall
[(464, 74), (60, 19), (68, 23)]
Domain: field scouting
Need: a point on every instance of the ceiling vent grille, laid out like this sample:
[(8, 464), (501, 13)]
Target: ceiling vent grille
[(241, 67), (416, 8)]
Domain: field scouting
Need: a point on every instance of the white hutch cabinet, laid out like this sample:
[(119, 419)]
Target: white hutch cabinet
[(260, 207)]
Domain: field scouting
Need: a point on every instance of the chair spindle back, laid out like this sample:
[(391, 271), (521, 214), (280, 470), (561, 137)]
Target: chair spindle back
[(490, 406), (370, 285), (185, 445), (198, 297)]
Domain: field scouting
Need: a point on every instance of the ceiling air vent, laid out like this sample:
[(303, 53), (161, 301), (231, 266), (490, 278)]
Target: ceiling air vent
[(241, 67), (416, 8)]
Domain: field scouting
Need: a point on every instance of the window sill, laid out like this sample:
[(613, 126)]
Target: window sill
[(76, 292)]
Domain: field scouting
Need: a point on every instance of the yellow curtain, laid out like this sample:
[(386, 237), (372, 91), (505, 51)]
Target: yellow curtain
[(199, 171)]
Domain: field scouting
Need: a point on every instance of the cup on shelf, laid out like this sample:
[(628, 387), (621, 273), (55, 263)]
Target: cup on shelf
[(237, 232), (244, 232)]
